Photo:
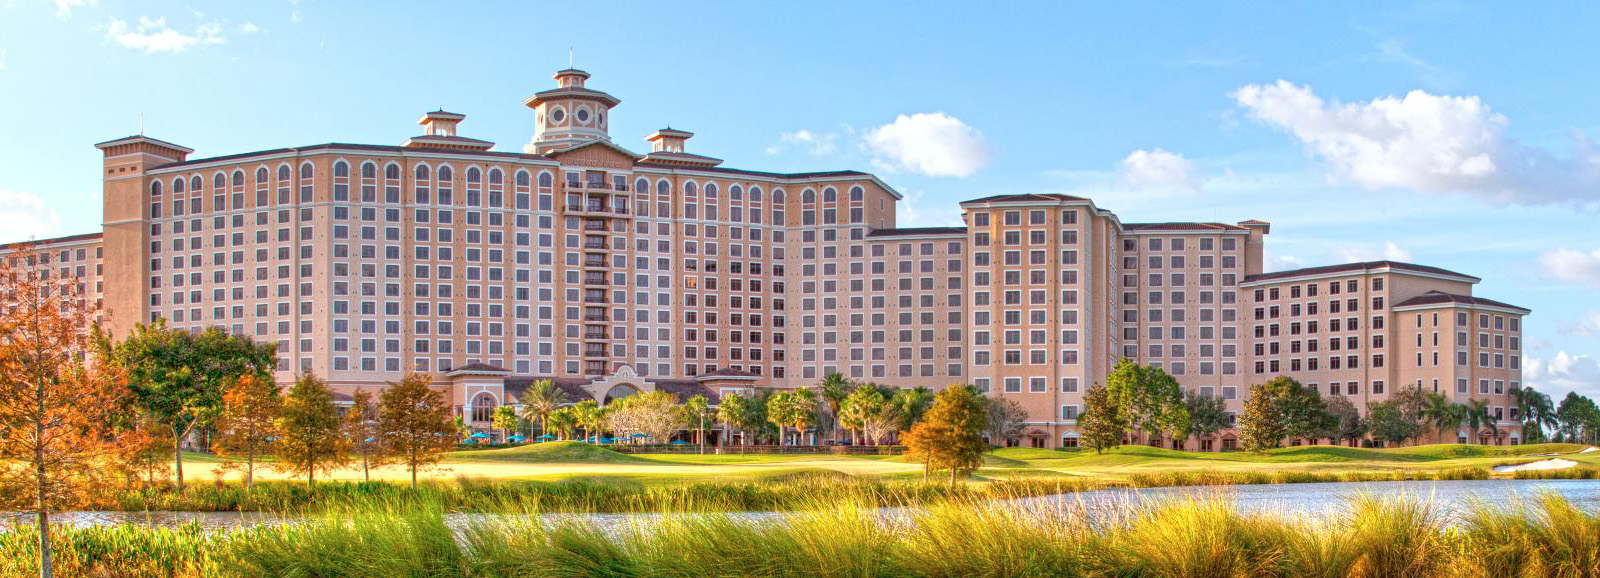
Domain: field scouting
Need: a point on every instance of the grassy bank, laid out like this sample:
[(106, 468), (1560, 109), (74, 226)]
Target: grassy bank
[(1193, 536)]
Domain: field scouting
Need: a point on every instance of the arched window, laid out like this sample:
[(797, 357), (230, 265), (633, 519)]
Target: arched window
[(261, 175), (155, 189), (283, 172), (777, 196), (422, 172), (483, 408), (711, 190), (445, 174), (545, 180), (642, 186), (663, 187), (522, 178), (218, 183), (391, 171), (689, 188), (829, 195), (340, 169), (474, 175), (238, 178), (369, 170), (855, 194), (735, 193), (177, 185), (755, 194), (496, 177), (305, 171), (196, 184), (808, 197)]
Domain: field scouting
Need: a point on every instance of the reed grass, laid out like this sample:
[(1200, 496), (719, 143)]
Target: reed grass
[(1199, 535)]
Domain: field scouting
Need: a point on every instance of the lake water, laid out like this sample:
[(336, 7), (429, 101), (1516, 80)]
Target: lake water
[(1296, 500)]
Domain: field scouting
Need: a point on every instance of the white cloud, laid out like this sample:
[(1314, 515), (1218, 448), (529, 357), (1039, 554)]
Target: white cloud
[(249, 28), (1584, 326), (1357, 253), (1564, 372), (934, 144), (1426, 142), (910, 212), (1158, 169), (1282, 263), (815, 143), (64, 8), (24, 216), (294, 13), (153, 35), (1572, 266)]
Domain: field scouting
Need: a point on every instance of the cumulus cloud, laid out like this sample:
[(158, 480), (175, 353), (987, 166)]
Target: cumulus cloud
[(249, 28), (1158, 169), (64, 8), (1357, 253), (815, 143), (934, 144), (24, 216), (1564, 371), (1572, 266), (1586, 325), (152, 35), (1426, 142)]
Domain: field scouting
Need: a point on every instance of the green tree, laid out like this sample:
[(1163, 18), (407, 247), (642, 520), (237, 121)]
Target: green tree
[(414, 423), (1389, 424), (1006, 419), (1476, 414), (591, 417), (1350, 425), (908, 405), (1208, 414), (863, 411), (1101, 425), (1575, 414), (656, 414), (1537, 413), (309, 431), (834, 388), (950, 436), (1261, 424), (507, 421), (733, 410), (1411, 402), (563, 420), (1148, 399), (1305, 414), (178, 377), (697, 412), (796, 408), (541, 398), (1441, 415)]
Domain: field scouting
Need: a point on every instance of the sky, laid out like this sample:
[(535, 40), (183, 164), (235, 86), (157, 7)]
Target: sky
[(1453, 134)]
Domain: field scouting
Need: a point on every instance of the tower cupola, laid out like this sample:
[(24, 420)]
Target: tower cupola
[(570, 114)]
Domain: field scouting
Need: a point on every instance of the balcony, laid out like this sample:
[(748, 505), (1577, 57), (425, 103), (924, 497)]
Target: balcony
[(595, 244), (595, 317), (596, 280), (601, 300), (596, 352), (595, 226), (595, 335), (595, 263)]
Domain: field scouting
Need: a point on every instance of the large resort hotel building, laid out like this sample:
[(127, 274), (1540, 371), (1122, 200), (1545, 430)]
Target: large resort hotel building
[(612, 272)]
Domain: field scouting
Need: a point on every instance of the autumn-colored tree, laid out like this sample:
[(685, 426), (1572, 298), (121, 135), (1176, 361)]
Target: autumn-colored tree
[(1101, 425), (950, 435), (414, 423), (178, 377), (56, 390), (310, 431), (143, 450), (361, 433), (250, 408)]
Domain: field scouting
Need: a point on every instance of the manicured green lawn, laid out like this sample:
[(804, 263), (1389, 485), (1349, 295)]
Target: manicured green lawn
[(572, 460)]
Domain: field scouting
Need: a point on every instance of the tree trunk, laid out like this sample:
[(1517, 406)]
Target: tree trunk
[(177, 455), (44, 540), (250, 471)]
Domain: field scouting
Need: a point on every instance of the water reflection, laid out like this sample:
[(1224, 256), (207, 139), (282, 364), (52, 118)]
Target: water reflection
[(1297, 500)]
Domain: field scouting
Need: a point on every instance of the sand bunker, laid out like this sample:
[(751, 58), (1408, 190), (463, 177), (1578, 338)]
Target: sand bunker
[(1555, 464), (1589, 449)]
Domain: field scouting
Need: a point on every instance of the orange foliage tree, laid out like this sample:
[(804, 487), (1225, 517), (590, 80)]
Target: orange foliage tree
[(250, 408), (56, 392), (414, 423)]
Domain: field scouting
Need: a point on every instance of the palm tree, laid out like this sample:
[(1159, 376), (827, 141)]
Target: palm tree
[(590, 416), (778, 410), (695, 411), (803, 412), (541, 398), (835, 388), (733, 409), (1477, 415), (1536, 410), (908, 406), (1440, 414)]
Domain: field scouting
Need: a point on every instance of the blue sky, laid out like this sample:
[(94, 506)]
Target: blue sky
[(1450, 134)]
